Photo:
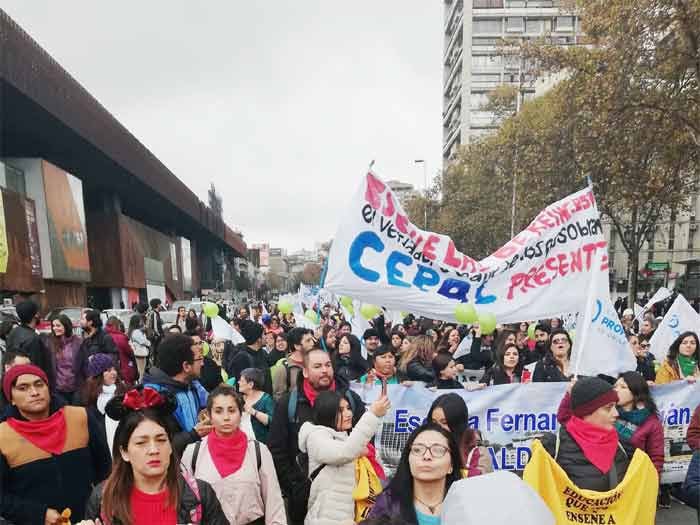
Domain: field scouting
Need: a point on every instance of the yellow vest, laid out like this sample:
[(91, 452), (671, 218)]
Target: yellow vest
[(367, 488), (632, 502)]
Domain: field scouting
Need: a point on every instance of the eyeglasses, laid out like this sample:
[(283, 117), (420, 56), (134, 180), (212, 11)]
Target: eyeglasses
[(558, 341), (645, 345), (436, 450)]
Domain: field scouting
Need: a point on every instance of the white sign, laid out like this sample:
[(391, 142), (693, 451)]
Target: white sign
[(380, 257), (681, 317)]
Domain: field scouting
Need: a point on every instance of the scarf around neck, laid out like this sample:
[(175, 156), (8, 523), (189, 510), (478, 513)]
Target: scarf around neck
[(629, 421), (107, 393), (597, 444), (227, 453), (310, 392), (47, 434), (687, 365)]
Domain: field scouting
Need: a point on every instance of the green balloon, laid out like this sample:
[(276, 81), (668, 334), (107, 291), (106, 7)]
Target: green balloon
[(346, 301), (210, 310), (487, 322), (369, 311), (285, 307), (531, 331), (466, 314), (311, 316)]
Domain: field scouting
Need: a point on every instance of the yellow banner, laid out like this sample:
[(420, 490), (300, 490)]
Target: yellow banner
[(367, 488), (4, 248), (632, 502)]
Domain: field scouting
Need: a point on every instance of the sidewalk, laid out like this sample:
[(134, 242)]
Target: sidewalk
[(678, 514)]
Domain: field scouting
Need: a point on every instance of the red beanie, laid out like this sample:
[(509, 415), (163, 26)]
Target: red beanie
[(13, 373)]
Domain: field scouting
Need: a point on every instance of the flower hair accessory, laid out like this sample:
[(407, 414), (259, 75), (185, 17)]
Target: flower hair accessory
[(147, 398)]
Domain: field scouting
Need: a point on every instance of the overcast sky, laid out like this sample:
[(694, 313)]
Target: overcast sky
[(282, 104)]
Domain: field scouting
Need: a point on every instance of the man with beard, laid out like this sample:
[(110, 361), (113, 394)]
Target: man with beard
[(372, 342), (293, 410), (541, 341)]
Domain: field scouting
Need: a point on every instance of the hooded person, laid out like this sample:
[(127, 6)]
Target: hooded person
[(250, 354), (587, 446)]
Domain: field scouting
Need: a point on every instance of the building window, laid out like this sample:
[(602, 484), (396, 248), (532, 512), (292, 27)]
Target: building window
[(487, 4), (13, 179), (535, 26), (486, 61), (515, 24), (480, 80), (564, 23), (478, 100), (484, 42), (487, 26), (516, 3)]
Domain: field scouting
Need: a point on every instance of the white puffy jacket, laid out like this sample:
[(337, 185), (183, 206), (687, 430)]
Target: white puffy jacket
[(330, 499)]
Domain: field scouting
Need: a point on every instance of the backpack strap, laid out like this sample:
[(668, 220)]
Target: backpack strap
[(292, 406), (258, 458), (196, 512), (195, 453), (316, 472)]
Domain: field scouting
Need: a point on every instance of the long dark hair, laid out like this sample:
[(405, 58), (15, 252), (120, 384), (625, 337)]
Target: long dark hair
[(67, 325), (500, 357), (116, 493), (457, 417), (640, 390), (401, 486), (674, 349), (356, 358), (135, 323), (327, 408)]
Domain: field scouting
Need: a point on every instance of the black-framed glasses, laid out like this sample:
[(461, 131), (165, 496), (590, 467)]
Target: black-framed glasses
[(436, 450), (557, 341), (645, 345)]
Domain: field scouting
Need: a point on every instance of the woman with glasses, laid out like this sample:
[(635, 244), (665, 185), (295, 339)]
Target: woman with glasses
[(554, 366), (646, 362), (333, 447), (429, 464)]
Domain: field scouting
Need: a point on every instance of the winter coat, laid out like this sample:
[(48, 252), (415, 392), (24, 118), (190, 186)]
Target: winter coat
[(669, 372), (447, 384), (330, 498), (32, 480), (496, 376), (388, 507), (690, 492), (645, 366), (210, 376), (417, 371), (283, 439), (285, 374), (547, 371), (127, 364), (210, 506), (477, 358), (248, 494), (350, 367), (579, 469), (191, 399), (246, 357), (99, 343), (65, 359), (693, 435), (649, 436), (24, 340)]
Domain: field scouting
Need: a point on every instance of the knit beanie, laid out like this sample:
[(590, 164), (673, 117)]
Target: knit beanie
[(589, 394), (98, 364), (251, 331), (13, 373)]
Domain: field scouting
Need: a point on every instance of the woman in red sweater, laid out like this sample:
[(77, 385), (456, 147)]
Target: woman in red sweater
[(639, 423)]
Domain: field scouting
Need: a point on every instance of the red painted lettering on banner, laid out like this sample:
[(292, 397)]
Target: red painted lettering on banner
[(402, 223), (373, 191), (429, 248), (388, 210), (452, 258)]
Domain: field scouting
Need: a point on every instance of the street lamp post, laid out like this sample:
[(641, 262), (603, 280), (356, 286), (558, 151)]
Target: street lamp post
[(425, 191)]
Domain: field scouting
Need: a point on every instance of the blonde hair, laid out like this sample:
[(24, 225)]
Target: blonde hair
[(422, 348)]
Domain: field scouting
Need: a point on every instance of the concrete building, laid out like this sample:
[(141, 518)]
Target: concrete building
[(403, 190), (471, 63), (669, 257)]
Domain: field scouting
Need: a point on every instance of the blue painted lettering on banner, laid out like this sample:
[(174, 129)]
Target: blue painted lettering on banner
[(398, 267)]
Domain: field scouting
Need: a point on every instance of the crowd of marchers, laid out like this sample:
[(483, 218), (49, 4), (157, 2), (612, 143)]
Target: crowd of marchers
[(149, 424)]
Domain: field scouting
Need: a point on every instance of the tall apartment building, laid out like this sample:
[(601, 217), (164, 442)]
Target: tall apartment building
[(472, 66)]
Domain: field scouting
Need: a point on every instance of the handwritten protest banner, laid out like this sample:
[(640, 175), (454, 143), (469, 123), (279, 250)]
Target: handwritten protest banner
[(379, 256)]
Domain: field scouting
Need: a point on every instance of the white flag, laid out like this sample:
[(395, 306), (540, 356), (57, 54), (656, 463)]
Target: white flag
[(222, 330), (661, 294), (680, 318), (600, 345)]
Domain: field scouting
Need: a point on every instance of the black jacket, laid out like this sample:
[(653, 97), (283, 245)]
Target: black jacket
[(581, 471), (246, 357), (31, 486), (477, 358), (211, 508), (24, 340), (645, 366), (547, 371), (447, 384), (496, 376), (99, 343), (350, 367), (417, 371), (283, 439), (210, 376)]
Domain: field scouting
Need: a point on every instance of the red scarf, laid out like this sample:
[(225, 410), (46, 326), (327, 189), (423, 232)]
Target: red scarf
[(598, 444), (47, 434), (227, 453), (311, 393), (372, 456)]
